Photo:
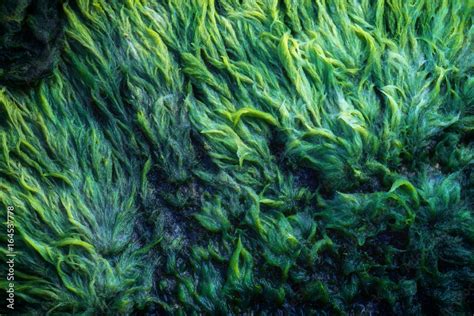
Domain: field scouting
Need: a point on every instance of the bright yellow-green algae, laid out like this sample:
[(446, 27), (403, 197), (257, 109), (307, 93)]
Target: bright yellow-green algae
[(233, 156)]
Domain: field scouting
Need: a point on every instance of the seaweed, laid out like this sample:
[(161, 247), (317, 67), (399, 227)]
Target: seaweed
[(238, 157)]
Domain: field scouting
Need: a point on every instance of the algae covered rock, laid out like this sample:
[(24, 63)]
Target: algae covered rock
[(238, 157), (30, 33)]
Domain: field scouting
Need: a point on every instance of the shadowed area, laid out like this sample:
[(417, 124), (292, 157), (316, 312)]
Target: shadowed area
[(30, 36)]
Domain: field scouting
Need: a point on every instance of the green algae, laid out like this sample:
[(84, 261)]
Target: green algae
[(223, 157)]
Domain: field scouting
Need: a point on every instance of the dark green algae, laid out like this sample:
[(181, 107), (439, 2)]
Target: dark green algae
[(30, 40)]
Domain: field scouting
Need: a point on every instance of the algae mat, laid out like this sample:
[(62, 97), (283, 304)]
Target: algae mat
[(237, 157)]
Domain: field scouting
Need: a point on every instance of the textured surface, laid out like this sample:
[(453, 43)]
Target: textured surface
[(234, 156), (30, 38)]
